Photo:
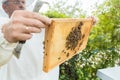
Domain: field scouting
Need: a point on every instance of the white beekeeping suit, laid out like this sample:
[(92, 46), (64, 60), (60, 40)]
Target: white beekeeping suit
[(29, 65)]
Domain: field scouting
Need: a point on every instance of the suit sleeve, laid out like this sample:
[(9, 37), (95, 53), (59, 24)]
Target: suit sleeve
[(6, 49)]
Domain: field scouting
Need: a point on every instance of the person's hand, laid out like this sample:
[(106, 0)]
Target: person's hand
[(94, 19), (22, 24)]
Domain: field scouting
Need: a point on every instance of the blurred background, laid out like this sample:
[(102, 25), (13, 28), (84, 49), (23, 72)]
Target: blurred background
[(86, 5)]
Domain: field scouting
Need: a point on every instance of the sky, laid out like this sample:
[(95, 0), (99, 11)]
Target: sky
[(87, 5)]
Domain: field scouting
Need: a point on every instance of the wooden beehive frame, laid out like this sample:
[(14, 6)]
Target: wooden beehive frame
[(64, 38)]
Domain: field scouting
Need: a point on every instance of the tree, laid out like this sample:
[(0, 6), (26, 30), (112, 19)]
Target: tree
[(69, 9)]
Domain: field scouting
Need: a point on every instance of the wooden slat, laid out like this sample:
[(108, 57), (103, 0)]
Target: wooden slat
[(56, 51)]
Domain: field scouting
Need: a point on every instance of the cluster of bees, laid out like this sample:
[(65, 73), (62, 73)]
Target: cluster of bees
[(74, 36)]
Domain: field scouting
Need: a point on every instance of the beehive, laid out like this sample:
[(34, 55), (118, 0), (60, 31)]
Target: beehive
[(64, 38)]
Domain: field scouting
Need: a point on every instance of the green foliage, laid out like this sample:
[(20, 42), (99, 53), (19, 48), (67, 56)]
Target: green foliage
[(103, 48), (55, 14), (85, 65)]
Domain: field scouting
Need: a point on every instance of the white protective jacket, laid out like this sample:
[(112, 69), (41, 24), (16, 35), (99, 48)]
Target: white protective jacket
[(29, 65)]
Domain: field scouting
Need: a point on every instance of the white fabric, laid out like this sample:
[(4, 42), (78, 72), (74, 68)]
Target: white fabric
[(29, 65), (6, 48)]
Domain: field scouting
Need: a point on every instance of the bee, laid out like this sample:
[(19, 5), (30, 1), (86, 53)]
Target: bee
[(73, 37)]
